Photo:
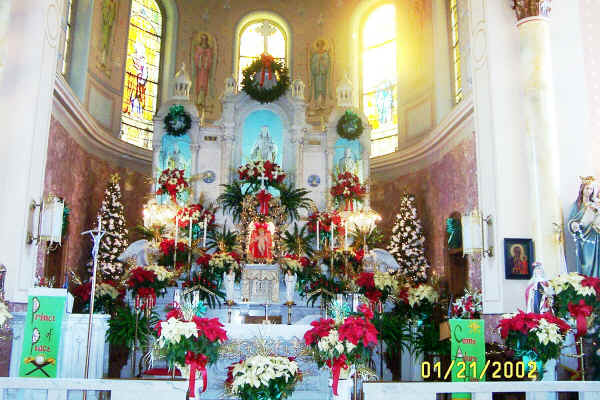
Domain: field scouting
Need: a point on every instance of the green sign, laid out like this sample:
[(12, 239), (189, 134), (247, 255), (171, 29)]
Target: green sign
[(41, 340), (467, 338)]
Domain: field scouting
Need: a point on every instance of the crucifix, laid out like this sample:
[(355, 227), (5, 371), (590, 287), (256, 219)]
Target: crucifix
[(265, 30), (262, 178)]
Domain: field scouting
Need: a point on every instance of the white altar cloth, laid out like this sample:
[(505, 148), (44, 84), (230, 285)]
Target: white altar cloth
[(258, 280)]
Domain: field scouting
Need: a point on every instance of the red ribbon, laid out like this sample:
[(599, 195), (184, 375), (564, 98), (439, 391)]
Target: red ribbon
[(266, 61), (580, 312), (263, 198), (336, 367), (196, 362), (349, 205)]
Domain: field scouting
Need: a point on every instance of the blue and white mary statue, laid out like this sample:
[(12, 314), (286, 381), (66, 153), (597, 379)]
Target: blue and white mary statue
[(584, 225)]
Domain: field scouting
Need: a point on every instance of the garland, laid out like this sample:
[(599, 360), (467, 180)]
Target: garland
[(350, 126), (177, 121), (264, 68)]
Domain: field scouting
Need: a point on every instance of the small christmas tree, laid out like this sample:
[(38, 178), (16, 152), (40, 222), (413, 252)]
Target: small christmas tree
[(116, 240), (406, 243)]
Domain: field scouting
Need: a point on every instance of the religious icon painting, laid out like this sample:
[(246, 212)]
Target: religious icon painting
[(518, 258), (203, 58), (314, 180)]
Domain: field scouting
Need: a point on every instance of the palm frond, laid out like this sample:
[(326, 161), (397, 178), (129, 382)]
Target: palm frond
[(294, 200), (223, 240), (231, 199), (147, 233), (298, 241), (374, 238)]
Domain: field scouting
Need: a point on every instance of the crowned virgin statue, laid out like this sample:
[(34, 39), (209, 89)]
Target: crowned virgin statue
[(584, 225), (264, 148), (347, 163)]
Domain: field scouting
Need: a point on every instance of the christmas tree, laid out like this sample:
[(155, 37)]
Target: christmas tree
[(116, 239), (406, 244)]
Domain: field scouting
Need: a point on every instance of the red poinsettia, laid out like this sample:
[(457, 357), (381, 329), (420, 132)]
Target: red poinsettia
[(524, 322), (167, 247), (252, 171), (366, 284), (348, 186), (172, 182), (196, 213), (320, 329)]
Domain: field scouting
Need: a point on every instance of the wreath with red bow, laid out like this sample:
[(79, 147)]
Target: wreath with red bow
[(261, 70)]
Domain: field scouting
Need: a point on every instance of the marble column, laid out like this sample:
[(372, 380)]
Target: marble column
[(541, 127)]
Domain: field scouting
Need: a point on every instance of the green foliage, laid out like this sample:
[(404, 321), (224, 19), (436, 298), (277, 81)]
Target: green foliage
[(175, 352), (373, 238), (232, 198), (294, 200), (298, 242), (259, 93), (177, 121), (393, 328), (329, 288), (121, 327), (223, 240), (350, 126), (278, 388), (147, 233)]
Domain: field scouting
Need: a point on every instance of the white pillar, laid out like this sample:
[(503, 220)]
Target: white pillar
[(541, 122), (26, 89)]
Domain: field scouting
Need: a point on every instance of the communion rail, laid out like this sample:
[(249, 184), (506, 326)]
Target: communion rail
[(120, 389)]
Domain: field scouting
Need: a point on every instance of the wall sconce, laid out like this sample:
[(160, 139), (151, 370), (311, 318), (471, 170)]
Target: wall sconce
[(473, 234), (48, 220)]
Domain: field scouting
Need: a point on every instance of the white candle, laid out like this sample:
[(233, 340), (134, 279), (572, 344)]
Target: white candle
[(317, 234), (190, 237), (176, 230), (332, 238), (204, 235), (345, 235)]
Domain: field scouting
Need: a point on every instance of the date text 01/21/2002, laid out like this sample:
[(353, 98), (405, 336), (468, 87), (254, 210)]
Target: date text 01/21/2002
[(500, 370)]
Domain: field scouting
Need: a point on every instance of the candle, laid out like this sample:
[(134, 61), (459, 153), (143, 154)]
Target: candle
[(176, 234), (177, 297), (332, 238), (318, 235), (345, 235), (204, 236), (190, 237)]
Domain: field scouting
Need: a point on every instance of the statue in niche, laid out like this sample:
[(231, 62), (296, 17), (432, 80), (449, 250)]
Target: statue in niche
[(538, 294), (584, 225), (260, 246), (109, 13), (348, 162), (203, 60), (264, 148), (176, 160), (320, 68)]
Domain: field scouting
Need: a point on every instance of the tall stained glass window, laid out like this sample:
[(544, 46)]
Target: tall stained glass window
[(142, 71), (263, 36), (458, 92), (379, 78)]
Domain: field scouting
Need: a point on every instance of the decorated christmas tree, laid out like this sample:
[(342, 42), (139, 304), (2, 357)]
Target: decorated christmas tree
[(116, 240), (407, 241)]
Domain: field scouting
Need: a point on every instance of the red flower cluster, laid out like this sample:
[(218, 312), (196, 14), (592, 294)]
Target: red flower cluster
[(524, 322), (325, 284), (196, 213), (252, 171), (367, 287), (357, 329), (140, 275), (304, 261), (83, 291), (204, 260), (590, 281), (229, 380), (172, 182), (167, 247), (325, 221), (320, 329), (211, 328), (348, 186)]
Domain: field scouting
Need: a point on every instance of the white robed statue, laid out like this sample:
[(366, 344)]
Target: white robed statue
[(538, 294), (290, 279), (264, 148), (347, 163), (229, 282)]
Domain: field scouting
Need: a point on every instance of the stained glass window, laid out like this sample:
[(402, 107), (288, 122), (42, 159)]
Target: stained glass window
[(68, 33), (458, 92), (259, 37), (379, 78), (142, 70)]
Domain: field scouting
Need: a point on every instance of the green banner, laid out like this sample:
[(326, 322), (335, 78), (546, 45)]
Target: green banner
[(467, 338), (41, 340)]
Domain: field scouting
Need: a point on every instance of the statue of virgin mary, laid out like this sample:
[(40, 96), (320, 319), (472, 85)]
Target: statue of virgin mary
[(584, 225)]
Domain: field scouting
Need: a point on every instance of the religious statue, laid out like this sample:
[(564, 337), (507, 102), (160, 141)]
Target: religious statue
[(261, 242), (584, 225), (176, 159), (264, 148), (203, 54), (109, 12), (229, 282), (538, 295), (518, 263), (290, 279), (136, 84), (347, 163), (320, 65)]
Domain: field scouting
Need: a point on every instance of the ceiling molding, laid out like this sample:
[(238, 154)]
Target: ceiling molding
[(87, 132), (427, 149)]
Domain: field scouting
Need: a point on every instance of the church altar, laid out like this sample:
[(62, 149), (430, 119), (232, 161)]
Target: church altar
[(260, 283)]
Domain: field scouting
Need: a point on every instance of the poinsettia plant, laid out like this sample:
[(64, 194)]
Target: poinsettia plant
[(422, 298), (173, 183), (376, 286), (147, 283), (534, 336), (252, 171), (108, 296), (576, 299), (340, 345), (263, 377), (221, 262), (469, 306), (190, 342), (347, 187), (166, 253), (326, 222), (322, 287)]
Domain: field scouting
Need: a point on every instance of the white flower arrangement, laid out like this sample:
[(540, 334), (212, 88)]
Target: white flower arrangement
[(161, 272), (385, 280), (104, 289), (173, 330), (259, 370), (332, 345), (548, 333), (4, 314), (223, 261), (573, 279), (416, 295)]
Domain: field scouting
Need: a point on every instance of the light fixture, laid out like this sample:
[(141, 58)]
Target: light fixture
[(473, 234), (159, 214), (365, 221), (48, 220)]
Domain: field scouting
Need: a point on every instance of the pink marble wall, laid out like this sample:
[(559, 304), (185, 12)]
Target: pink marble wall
[(80, 179), (446, 186)]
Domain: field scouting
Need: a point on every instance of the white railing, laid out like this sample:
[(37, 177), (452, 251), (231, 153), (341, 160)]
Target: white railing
[(480, 390)]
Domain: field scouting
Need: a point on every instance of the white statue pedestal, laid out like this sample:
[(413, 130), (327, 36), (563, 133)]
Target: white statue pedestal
[(259, 283)]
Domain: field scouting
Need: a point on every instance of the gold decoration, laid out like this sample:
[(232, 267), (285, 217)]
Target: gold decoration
[(532, 8), (250, 215), (115, 178), (586, 180)]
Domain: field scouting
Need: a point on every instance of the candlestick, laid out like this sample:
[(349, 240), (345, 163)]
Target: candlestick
[(190, 242), (332, 237), (318, 234), (345, 235), (204, 236), (175, 248)]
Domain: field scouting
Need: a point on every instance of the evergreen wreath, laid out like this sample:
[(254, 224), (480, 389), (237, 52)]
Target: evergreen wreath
[(350, 126), (259, 93), (177, 121)]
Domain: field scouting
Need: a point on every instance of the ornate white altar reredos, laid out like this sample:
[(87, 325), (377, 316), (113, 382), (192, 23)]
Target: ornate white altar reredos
[(247, 129)]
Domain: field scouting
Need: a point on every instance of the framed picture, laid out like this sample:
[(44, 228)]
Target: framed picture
[(518, 257)]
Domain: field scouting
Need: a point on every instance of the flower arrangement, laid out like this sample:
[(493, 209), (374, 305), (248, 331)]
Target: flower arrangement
[(326, 222), (221, 262), (290, 263), (196, 214), (575, 298), (469, 306), (324, 288), (190, 342), (166, 251), (339, 345), (108, 296), (263, 377), (252, 171), (5, 315), (534, 336), (173, 183), (376, 286), (421, 296), (146, 283), (347, 188)]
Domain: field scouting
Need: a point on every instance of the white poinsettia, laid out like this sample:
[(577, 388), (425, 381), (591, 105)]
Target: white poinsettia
[(548, 333), (173, 330), (4, 314), (416, 295), (333, 346), (104, 289), (259, 370), (222, 260), (572, 279), (161, 272), (384, 280)]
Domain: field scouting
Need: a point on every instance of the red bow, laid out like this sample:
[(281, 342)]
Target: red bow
[(263, 198), (196, 362), (266, 61), (580, 312), (336, 367)]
